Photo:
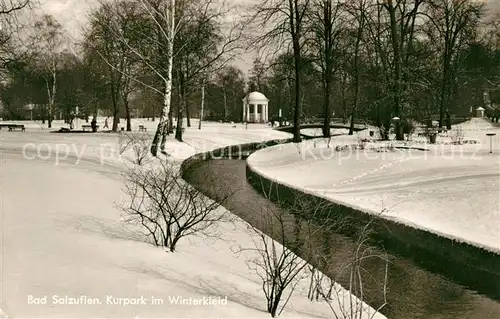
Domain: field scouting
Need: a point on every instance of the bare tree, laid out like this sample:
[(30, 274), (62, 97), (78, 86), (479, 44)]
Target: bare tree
[(10, 26), (48, 41), (167, 208), (137, 143), (358, 10), (325, 20), (283, 22), (115, 27), (156, 26), (451, 19), (10, 6), (162, 24), (204, 44), (279, 268), (285, 242), (351, 303)]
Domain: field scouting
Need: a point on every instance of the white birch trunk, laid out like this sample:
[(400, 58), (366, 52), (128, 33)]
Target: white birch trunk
[(162, 129), (202, 104), (49, 97), (53, 96)]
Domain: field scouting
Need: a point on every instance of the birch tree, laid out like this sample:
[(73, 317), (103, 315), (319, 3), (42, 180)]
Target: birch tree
[(48, 44), (202, 102), (156, 26)]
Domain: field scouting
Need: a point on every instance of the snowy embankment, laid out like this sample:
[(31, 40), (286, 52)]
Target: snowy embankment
[(450, 190), (63, 240)]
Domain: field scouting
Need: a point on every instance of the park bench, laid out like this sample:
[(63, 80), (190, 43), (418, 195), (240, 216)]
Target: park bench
[(13, 127), (142, 128), (88, 126), (182, 129)]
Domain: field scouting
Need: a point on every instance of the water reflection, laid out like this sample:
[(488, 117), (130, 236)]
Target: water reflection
[(412, 292)]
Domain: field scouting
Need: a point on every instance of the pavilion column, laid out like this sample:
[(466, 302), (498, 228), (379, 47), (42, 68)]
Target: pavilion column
[(247, 111), (255, 112), (266, 113)]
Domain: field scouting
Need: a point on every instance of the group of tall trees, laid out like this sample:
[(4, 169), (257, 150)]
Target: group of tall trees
[(170, 47), (154, 55), (361, 60), (378, 60)]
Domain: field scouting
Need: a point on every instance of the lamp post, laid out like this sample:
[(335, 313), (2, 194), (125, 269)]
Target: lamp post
[(395, 120), (491, 137)]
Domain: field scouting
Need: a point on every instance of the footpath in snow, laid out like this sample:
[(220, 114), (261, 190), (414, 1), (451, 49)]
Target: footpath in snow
[(66, 253), (450, 190)]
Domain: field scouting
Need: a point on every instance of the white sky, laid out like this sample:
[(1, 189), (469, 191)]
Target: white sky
[(72, 14)]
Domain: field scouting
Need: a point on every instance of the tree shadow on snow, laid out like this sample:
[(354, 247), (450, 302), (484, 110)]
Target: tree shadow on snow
[(209, 286), (104, 227)]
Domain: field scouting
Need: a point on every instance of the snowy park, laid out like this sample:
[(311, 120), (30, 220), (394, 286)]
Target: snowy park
[(250, 159), (64, 240)]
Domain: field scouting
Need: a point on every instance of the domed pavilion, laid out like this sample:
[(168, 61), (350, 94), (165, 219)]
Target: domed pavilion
[(255, 108)]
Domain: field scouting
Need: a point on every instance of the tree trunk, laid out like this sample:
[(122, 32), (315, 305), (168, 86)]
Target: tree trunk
[(225, 103), (170, 122), (180, 107), (115, 104), (277, 298), (53, 96), (297, 108), (327, 19), (327, 114), (202, 104), (163, 126), (356, 70), (444, 88), (397, 69), (188, 115), (49, 104), (127, 113)]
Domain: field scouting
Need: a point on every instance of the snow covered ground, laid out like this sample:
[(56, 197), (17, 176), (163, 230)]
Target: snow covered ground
[(451, 190), (62, 236)]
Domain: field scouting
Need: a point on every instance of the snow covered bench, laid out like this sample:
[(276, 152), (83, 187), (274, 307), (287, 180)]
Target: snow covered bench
[(13, 127), (88, 126)]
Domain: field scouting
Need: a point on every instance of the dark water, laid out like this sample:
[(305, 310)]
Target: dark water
[(412, 292)]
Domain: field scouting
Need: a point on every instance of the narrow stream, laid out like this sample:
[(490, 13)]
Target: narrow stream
[(412, 292)]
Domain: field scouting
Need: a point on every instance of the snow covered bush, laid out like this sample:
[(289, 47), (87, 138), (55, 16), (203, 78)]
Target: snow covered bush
[(166, 207), (409, 127), (457, 135), (137, 143)]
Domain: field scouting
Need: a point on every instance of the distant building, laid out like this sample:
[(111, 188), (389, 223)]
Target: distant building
[(480, 112), (255, 108)]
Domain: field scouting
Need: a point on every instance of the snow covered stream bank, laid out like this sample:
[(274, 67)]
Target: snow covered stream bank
[(450, 190), (413, 291), (443, 201)]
